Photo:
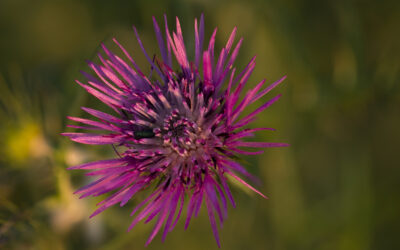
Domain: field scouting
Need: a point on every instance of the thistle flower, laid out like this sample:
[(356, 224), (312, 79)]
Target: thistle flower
[(179, 131)]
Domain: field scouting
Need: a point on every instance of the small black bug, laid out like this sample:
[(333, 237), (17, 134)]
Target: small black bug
[(143, 134)]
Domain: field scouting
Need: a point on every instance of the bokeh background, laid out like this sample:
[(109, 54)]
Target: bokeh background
[(336, 187)]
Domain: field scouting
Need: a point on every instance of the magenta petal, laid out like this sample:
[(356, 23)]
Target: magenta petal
[(153, 205), (212, 196), (102, 115), (190, 210), (172, 210), (239, 168), (160, 40), (246, 184), (269, 88), (160, 220), (255, 112), (180, 210), (146, 55), (207, 68), (130, 192), (100, 164), (86, 138), (226, 189), (93, 123), (212, 221), (259, 144)]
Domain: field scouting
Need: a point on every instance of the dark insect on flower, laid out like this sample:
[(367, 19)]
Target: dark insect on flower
[(179, 130), (143, 134)]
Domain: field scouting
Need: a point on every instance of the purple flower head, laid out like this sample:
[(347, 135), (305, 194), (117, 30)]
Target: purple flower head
[(179, 130)]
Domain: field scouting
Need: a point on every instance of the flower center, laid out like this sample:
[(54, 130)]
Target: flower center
[(179, 133)]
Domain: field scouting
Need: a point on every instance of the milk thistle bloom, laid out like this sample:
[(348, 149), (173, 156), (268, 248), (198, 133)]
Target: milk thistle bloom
[(179, 130)]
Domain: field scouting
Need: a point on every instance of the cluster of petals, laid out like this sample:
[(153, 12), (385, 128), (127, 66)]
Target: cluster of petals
[(177, 132)]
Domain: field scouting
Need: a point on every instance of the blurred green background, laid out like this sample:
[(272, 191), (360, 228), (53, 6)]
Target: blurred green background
[(336, 187)]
